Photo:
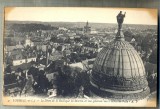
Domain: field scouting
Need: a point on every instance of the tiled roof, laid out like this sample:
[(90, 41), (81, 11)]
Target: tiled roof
[(19, 46), (10, 48), (24, 66), (55, 56)]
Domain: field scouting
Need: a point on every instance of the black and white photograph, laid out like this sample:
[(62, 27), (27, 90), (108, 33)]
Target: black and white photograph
[(80, 56)]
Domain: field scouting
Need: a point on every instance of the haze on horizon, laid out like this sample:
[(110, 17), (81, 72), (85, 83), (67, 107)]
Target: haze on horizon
[(81, 14)]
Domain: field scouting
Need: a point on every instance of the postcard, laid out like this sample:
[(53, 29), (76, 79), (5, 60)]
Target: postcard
[(80, 56)]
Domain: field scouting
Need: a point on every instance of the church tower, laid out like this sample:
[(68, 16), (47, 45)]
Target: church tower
[(87, 28)]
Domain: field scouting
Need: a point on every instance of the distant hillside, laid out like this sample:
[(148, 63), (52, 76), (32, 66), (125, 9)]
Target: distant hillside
[(51, 25)]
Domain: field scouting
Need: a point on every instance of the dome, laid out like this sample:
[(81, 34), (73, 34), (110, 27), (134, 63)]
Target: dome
[(118, 71)]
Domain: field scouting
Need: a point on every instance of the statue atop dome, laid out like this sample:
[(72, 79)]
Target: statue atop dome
[(120, 18)]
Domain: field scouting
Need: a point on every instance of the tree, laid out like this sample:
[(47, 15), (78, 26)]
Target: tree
[(8, 69), (153, 57), (69, 81), (53, 39), (128, 35), (146, 44), (77, 40), (68, 40), (10, 35)]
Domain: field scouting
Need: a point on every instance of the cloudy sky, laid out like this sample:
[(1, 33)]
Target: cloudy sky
[(81, 14)]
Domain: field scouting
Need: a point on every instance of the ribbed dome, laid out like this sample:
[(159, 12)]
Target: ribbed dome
[(119, 71)]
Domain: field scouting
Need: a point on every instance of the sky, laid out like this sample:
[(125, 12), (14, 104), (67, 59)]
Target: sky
[(81, 14)]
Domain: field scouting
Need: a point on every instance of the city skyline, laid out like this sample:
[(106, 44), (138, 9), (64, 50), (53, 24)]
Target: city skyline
[(72, 14)]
